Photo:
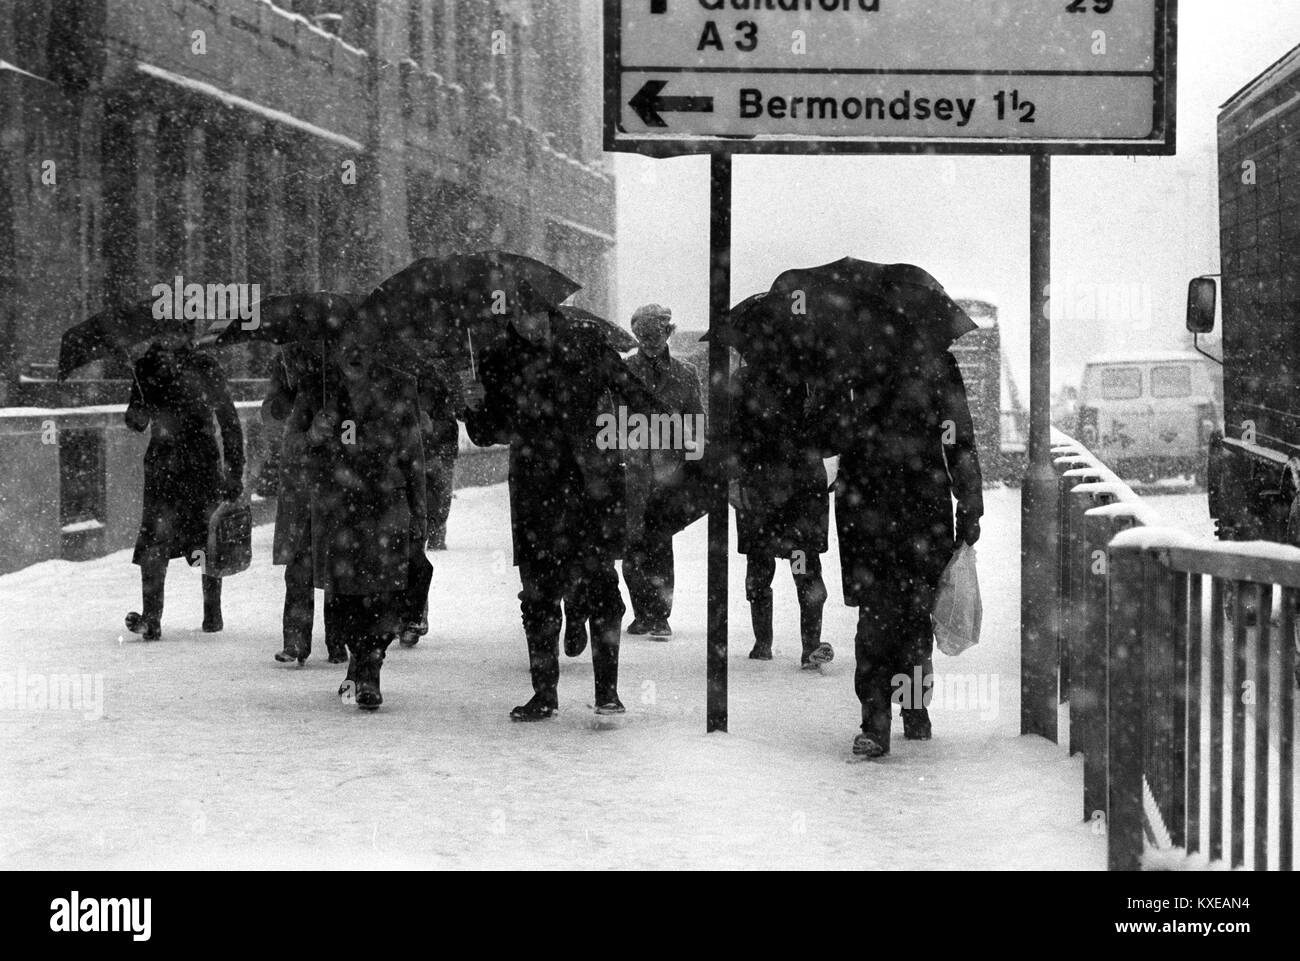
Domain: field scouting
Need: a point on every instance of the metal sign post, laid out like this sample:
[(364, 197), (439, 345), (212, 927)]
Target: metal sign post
[(1035, 77)]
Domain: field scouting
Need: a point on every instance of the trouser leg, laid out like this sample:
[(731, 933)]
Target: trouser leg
[(877, 649), (637, 578), (811, 591), (153, 578), (916, 651), (299, 603), (543, 587), (661, 575), (211, 603), (759, 571), (605, 606)]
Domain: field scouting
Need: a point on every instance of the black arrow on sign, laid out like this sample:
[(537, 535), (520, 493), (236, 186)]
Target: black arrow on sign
[(647, 103)]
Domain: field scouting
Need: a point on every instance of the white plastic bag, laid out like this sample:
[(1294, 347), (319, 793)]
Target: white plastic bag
[(958, 610)]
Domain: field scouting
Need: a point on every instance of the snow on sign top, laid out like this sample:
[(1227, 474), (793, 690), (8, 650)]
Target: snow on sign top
[(796, 76)]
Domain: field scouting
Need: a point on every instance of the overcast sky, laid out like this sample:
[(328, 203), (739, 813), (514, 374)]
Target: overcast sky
[(1131, 230)]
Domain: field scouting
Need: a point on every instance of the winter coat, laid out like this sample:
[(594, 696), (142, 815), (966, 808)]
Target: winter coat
[(440, 394), (566, 494), (294, 397), (781, 474), (675, 388), (906, 449), (184, 399), (368, 501)]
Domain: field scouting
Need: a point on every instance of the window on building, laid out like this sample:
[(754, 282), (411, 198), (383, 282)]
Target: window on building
[(516, 70), (438, 37), (469, 42), (415, 31)]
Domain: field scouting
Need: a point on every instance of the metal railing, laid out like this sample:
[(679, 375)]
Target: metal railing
[(1177, 659)]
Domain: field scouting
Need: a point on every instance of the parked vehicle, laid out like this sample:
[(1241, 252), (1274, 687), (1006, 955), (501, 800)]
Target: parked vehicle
[(1253, 467), (1151, 416)]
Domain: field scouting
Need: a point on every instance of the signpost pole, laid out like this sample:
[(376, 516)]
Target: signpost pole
[(718, 429), (1038, 509)]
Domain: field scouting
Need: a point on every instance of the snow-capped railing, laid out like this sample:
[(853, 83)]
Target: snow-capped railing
[(1201, 650), (1148, 618)]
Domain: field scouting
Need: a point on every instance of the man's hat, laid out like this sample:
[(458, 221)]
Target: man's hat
[(650, 314)]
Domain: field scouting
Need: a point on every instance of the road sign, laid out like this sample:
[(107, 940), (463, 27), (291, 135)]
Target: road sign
[(813, 76)]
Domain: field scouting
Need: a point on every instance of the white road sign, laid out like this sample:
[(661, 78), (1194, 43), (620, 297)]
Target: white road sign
[(1065, 76)]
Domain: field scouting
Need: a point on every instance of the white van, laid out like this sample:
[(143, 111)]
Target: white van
[(1148, 416)]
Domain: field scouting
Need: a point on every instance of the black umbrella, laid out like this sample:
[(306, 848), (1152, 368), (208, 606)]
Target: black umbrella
[(286, 319), (851, 316), (621, 339), (111, 333), (461, 302)]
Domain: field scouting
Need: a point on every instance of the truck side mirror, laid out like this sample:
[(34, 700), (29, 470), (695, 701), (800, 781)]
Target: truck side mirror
[(1202, 299)]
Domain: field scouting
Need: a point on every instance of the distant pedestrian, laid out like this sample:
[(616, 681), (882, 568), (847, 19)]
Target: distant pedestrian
[(783, 506), (368, 513), (178, 393), (907, 448), (675, 388), (294, 398)]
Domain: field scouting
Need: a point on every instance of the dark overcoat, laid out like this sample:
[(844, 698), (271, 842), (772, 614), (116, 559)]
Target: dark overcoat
[(907, 448), (779, 470), (566, 493), (367, 499), (294, 397), (195, 443)]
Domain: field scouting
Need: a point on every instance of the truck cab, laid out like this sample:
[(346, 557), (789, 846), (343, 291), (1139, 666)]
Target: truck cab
[(1253, 467)]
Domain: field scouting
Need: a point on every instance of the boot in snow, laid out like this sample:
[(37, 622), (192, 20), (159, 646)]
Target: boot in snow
[(147, 627), (538, 708)]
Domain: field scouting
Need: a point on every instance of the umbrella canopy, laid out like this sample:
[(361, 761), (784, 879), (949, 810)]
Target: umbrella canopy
[(621, 339), (286, 319), (111, 333), (848, 319), (459, 303)]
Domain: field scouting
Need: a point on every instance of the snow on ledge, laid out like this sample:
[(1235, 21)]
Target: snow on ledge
[(232, 100), (1153, 538)]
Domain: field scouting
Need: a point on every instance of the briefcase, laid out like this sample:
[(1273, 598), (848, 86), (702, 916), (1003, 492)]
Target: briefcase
[(230, 539)]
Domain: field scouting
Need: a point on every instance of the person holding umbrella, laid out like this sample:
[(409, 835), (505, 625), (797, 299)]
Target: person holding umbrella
[(540, 389), (368, 512), (188, 470), (675, 387), (781, 500), (294, 398)]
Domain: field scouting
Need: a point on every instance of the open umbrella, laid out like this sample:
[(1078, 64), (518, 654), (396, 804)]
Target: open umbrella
[(110, 333), (461, 302), (285, 319), (851, 314), (621, 339)]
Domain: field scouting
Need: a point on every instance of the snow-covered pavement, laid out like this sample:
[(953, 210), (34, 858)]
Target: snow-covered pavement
[(206, 753)]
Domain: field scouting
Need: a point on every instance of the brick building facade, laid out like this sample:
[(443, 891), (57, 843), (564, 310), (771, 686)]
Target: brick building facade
[(302, 145)]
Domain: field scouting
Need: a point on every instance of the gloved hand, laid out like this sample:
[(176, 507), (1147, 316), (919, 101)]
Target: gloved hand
[(967, 529)]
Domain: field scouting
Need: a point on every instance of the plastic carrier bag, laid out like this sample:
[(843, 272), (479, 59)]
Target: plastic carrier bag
[(958, 610)]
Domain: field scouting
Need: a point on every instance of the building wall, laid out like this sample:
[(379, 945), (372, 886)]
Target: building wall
[(210, 140), (214, 138)]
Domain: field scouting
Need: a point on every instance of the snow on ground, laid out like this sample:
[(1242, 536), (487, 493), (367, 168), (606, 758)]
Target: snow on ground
[(206, 753)]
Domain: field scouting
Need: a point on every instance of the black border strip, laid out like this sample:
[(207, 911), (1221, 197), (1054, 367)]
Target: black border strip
[(1162, 142)]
